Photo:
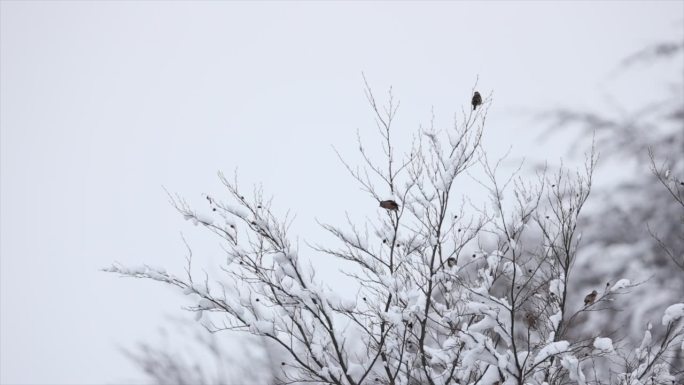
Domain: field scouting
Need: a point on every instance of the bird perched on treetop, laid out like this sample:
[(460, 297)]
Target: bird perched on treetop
[(477, 100), (590, 298), (389, 205)]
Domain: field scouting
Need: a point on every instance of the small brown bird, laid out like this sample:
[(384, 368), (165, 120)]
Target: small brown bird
[(590, 298), (389, 205), (531, 320), (477, 100)]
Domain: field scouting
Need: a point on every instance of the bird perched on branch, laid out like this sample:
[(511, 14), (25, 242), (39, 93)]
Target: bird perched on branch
[(389, 205), (477, 100), (590, 298)]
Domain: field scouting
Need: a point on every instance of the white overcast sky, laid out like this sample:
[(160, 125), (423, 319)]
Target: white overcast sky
[(104, 102)]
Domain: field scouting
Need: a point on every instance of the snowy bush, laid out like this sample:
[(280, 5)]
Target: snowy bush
[(449, 292), (634, 224)]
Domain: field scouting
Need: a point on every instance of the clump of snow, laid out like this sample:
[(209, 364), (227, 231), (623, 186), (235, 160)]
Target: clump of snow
[(509, 269), (356, 344), (238, 211), (348, 304), (287, 270), (198, 218), (604, 344), (206, 304), (513, 243), (394, 315), (355, 370), (287, 282), (556, 319), (156, 273), (477, 352), (551, 350), (621, 284), (556, 287), (204, 218), (642, 350), (673, 313), (280, 258), (262, 327), (571, 364), (493, 260), (324, 371), (437, 356), (491, 376)]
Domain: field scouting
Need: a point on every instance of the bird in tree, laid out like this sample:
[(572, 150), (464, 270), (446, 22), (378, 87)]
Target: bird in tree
[(389, 205), (590, 298), (451, 262), (477, 100)]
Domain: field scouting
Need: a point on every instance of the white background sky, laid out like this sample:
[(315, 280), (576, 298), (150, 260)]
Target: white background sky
[(103, 103)]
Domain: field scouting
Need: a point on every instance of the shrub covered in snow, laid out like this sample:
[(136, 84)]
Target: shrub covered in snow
[(448, 293)]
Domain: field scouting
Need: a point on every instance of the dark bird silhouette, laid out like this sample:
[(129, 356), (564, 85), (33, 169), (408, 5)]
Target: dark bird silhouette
[(451, 262), (590, 298), (531, 320), (389, 205), (477, 100)]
